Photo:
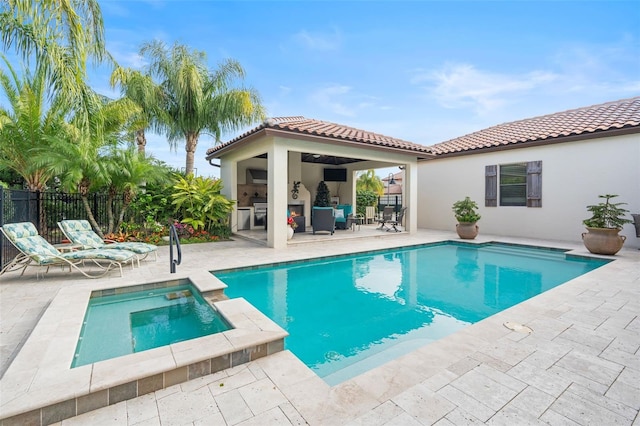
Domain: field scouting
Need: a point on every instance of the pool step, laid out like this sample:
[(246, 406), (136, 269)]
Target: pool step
[(524, 252), (178, 294)]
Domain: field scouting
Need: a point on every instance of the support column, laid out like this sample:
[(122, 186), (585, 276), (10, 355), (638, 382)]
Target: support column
[(277, 196), (229, 176), (410, 194)]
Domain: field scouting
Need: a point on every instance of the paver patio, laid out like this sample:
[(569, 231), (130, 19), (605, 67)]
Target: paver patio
[(580, 365)]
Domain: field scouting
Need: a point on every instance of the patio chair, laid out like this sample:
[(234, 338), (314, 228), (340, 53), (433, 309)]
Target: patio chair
[(369, 214), (387, 214), (323, 219), (36, 251), (80, 232), (342, 213), (397, 222)]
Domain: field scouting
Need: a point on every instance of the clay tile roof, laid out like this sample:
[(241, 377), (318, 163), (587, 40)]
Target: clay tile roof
[(307, 126), (594, 119)]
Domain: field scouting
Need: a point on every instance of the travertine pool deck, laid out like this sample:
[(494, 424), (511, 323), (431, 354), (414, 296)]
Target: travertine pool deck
[(580, 365)]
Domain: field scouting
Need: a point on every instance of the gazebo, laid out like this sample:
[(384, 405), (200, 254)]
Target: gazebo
[(278, 165)]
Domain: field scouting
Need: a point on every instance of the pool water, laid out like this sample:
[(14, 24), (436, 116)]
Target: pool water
[(126, 323), (348, 314)]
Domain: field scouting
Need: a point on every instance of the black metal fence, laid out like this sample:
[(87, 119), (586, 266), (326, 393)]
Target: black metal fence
[(390, 200), (45, 210)]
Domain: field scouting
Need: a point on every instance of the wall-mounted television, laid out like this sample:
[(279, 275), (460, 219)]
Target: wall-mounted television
[(335, 175)]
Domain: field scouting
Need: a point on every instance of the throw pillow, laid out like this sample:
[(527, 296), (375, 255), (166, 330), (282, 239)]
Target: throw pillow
[(339, 214)]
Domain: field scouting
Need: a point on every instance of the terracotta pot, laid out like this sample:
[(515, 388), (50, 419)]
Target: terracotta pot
[(467, 230), (603, 240)]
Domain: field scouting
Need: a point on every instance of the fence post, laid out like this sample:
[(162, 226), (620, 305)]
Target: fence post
[(1, 224), (1, 208)]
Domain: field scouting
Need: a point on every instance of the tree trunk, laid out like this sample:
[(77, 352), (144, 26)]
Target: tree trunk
[(92, 220), (121, 216), (190, 147), (126, 202), (110, 216), (35, 185), (141, 141)]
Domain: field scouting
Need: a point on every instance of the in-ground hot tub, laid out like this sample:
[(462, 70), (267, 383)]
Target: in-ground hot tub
[(40, 387)]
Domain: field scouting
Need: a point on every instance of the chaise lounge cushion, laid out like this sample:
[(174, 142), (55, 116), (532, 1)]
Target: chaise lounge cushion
[(81, 233), (36, 250)]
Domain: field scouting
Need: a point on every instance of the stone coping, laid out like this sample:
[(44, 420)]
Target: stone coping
[(40, 383)]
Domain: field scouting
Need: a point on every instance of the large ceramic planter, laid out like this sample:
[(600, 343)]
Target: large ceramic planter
[(603, 240), (289, 232), (467, 230)]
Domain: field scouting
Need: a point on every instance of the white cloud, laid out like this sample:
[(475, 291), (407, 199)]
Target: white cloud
[(603, 69), (572, 74), (284, 90), (462, 85), (341, 100), (332, 98), (129, 59), (319, 41)]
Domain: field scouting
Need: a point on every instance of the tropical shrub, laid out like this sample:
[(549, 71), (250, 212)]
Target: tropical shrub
[(365, 198), (199, 204), (607, 214), (153, 206), (465, 211)]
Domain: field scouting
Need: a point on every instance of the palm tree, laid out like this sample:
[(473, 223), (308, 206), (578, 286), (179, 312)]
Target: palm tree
[(59, 35), (199, 101), (129, 171), (368, 181), (141, 89), (82, 161), (30, 123)]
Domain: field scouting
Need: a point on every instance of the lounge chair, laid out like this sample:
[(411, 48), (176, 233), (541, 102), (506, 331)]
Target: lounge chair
[(397, 222), (36, 251), (80, 232), (323, 219), (387, 214)]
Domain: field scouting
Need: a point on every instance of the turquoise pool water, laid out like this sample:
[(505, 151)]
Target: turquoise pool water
[(348, 314), (122, 324)]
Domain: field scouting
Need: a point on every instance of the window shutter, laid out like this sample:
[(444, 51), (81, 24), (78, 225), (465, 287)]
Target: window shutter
[(534, 184), (491, 186)]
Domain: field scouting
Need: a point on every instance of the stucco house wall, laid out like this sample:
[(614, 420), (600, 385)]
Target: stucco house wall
[(573, 175)]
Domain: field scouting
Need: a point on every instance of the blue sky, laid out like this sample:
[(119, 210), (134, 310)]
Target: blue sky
[(423, 71)]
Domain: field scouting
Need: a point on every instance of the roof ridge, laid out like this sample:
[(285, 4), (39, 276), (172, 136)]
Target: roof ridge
[(588, 119), (554, 114), (327, 129)]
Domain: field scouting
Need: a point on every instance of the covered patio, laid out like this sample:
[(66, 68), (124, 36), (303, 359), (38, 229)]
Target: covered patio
[(277, 166), (359, 232)]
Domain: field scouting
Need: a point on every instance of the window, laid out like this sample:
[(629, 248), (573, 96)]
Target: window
[(513, 184), (520, 184)]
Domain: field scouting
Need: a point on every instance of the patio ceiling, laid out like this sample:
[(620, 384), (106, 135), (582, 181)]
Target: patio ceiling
[(307, 157)]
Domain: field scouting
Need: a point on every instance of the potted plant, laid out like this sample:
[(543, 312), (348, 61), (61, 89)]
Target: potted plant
[(606, 221), (467, 216), (291, 226)]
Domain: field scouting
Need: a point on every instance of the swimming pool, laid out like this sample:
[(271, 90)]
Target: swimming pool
[(129, 322), (348, 314)]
